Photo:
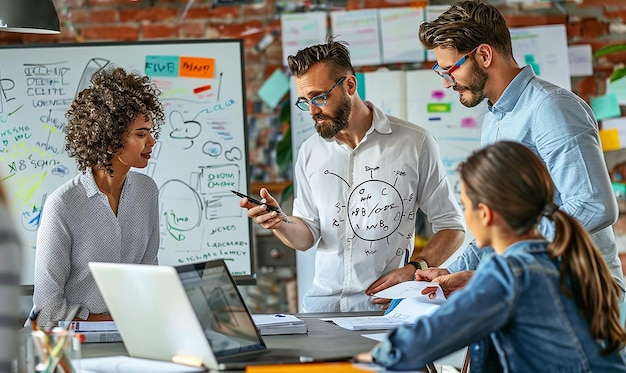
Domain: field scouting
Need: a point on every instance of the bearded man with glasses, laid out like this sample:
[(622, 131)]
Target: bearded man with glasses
[(359, 185), (475, 58)]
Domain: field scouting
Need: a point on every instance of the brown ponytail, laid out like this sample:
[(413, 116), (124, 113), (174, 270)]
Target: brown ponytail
[(521, 201), (593, 288)]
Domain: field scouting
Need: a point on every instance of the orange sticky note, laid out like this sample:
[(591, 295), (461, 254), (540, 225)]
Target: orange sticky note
[(197, 67), (609, 139), (340, 367)]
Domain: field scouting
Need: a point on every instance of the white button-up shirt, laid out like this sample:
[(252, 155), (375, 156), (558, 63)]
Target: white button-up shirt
[(361, 205), (78, 226)]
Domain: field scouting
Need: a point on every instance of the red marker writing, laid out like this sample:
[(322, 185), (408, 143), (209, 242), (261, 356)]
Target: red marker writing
[(202, 89)]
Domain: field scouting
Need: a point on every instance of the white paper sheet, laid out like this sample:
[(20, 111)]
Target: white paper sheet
[(413, 289), (398, 27), (301, 30), (359, 28), (277, 319), (405, 313), (378, 337), (113, 364), (580, 63)]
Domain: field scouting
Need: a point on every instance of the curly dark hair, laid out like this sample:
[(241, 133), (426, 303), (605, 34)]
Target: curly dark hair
[(100, 116)]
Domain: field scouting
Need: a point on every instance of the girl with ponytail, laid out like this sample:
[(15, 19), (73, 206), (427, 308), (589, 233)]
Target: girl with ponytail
[(536, 305)]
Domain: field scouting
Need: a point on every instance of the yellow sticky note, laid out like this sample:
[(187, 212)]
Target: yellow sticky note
[(609, 139)]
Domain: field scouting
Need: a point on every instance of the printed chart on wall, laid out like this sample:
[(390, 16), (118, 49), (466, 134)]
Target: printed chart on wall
[(199, 158), (545, 49), (456, 127)]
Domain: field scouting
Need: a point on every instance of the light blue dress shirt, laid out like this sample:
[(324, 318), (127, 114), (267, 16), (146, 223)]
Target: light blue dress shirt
[(515, 317), (561, 129)]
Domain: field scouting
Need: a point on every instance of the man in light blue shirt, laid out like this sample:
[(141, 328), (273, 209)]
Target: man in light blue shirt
[(475, 58)]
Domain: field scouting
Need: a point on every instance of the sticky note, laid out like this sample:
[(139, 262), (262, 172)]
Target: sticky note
[(360, 85), (609, 139), (274, 88), (620, 125), (469, 122), (161, 66), (605, 107), (197, 67), (618, 88), (619, 189), (438, 107)]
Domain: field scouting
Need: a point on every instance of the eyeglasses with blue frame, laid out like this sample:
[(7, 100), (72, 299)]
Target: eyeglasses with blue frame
[(319, 100), (447, 73)]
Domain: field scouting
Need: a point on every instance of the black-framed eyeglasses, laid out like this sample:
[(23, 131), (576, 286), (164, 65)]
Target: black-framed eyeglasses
[(447, 74), (319, 100)]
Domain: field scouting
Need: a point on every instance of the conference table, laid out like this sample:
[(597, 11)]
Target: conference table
[(324, 340)]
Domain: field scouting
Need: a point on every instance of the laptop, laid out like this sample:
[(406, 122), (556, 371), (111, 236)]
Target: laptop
[(191, 314)]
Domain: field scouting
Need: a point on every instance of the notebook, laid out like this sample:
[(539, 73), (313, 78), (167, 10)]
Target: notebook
[(94, 331), (191, 314)]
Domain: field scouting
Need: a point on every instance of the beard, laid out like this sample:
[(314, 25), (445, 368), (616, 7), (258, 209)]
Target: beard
[(333, 124), (476, 88)]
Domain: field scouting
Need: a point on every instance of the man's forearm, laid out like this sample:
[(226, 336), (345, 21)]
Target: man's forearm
[(295, 234), (439, 247)]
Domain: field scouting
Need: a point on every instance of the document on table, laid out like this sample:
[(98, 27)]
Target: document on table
[(405, 313), (272, 324), (278, 319), (95, 331), (114, 364), (413, 289), (89, 326)]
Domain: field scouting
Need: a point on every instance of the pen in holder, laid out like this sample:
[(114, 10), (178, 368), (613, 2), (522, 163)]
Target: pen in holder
[(56, 349)]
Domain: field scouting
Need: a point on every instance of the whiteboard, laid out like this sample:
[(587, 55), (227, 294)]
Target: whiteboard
[(200, 156)]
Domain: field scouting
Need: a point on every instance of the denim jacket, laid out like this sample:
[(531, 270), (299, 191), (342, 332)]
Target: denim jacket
[(515, 317)]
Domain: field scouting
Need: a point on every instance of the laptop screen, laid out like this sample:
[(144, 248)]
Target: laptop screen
[(220, 308)]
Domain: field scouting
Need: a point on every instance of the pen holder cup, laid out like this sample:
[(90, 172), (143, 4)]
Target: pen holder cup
[(56, 351)]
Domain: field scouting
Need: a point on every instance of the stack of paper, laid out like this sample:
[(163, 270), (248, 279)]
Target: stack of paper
[(279, 323), (95, 331), (406, 312), (414, 305)]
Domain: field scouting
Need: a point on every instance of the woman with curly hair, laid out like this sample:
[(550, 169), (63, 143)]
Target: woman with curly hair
[(107, 213)]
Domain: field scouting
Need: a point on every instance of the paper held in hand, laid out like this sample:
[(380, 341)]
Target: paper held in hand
[(414, 305), (413, 289), (405, 313)]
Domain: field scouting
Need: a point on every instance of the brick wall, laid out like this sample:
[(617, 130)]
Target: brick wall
[(594, 22)]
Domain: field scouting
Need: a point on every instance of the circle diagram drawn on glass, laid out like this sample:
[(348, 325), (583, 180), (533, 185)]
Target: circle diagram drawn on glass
[(93, 65)]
